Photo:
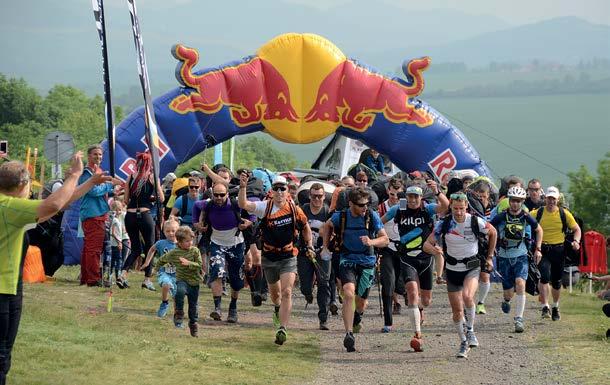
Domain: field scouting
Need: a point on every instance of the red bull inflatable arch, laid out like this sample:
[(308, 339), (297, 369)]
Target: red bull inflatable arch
[(298, 88)]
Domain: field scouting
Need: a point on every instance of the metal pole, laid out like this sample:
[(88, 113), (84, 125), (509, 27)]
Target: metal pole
[(232, 154)]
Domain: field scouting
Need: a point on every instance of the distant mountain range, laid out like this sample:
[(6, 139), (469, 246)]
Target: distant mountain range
[(55, 42)]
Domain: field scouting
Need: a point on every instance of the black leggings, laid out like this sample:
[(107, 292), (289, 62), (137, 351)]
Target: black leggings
[(10, 314), (136, 224), (391, 281), (551, 265)]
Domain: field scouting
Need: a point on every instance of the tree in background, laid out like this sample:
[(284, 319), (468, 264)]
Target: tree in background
[(591, 195)]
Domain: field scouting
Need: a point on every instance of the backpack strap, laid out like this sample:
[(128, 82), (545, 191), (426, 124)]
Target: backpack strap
[(444, 230), (539, 214), (184, 206), (342, 223), (562, 216)]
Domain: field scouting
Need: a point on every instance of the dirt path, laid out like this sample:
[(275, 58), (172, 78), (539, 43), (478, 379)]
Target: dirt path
[(503, 357)]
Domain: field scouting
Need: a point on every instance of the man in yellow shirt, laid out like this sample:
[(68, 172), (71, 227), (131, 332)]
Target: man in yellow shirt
[(16, 211), (553, 254)]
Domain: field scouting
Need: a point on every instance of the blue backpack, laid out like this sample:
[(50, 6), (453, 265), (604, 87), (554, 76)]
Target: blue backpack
[(264, 175)]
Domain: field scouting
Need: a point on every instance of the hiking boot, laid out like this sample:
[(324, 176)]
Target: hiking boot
[(256, 298), (281, 335), (276, 320), (333, 308), (349, 342), (519, 328), (232, 317), (505, 307), (216, 315), (309, 299), (194, 329), (546, 312), (178, 318), (324, 325), (464, 349), (396, 308), (480, 308), (148, 285), (162, 312), (417, 343), (386, 329), (556, 316), (473, 342), (357, 328)]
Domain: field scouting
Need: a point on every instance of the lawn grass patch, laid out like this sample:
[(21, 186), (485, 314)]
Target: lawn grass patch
[(66, 336)]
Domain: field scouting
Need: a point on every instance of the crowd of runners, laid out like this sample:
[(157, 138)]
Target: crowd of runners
[(333, 239)]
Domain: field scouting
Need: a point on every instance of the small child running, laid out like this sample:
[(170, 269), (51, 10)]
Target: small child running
[(187, 260), (166, 275)]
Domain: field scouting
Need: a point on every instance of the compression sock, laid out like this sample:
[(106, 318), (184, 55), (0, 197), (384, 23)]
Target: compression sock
[(233, 304), (459, 325), (413, 312), (469, 314), (519, 305), (483, 291), (217, 300)]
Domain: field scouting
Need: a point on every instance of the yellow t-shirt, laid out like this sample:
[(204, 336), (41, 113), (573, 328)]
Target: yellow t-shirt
[(551, 225), (14, 214)]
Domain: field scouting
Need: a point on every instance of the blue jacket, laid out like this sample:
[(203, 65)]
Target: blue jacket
[(375, 164), (94, 203)]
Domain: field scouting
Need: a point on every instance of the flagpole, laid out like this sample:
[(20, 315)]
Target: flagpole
[(100, 23), (150, 129)]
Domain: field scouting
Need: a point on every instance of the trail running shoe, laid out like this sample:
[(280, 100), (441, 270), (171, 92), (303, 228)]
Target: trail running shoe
[(148, 285), (162, 312), (481, 308), (276, 320), (386, 329), (280, 336), (349, 342), (556, 316), (505, 307), (334, 309), (464, 349), (232, 317), (216, 315), (194, 329), (519, 328), (257, 299), (546, 312), (309, 299), (417, 343), (178, 318), (473, 342)]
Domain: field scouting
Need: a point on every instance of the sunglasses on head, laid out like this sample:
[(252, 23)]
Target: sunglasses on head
[(219, 195), (458, 197), (193, 187), (279, 188), (361, 204)]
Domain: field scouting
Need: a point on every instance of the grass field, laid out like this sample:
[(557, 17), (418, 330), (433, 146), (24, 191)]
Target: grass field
[(67, 337), (580, 345)]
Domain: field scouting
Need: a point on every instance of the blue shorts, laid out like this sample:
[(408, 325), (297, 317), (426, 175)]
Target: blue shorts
[(227, 262), (511, 269), (164, 278)]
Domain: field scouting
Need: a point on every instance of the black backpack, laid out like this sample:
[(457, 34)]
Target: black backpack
[(533, 277)]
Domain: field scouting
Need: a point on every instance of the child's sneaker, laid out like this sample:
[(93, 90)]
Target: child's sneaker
[(194, 329), (178, 318), (162, 312)]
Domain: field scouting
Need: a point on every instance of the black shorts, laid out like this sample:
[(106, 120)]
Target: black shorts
[(417, 270), (360, 275), (551, 265), (455, 279)]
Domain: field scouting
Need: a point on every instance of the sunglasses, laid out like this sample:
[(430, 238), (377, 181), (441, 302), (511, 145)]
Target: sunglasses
[(362, 180), (278, 188), (219, 195), (392, 194), (193, 187), (361, 204), (316, 196), (458, 197)]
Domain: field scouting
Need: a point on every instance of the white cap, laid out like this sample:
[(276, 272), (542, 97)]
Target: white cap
[(553, 192), (415, 190), (170, 176), (279, 180)]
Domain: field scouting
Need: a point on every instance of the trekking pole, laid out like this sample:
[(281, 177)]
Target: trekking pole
[(378, 274)]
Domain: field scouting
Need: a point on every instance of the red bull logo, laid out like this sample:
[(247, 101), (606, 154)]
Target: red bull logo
[(254, 91), (442, 164), (352, 96)]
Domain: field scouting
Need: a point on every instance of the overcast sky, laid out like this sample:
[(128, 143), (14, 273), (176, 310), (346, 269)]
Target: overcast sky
[(513, 11)]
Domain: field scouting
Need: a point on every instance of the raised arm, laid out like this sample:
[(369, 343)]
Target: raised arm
[(242, 199)]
